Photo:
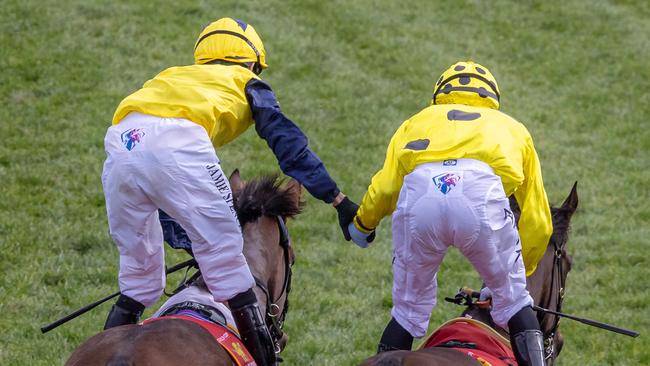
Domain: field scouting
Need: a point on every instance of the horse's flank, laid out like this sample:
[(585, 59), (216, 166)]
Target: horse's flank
[(159, 343)]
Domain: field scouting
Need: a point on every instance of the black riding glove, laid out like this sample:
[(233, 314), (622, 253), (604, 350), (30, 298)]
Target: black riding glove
[(346, 210)]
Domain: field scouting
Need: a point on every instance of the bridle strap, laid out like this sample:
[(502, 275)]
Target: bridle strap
[(275, 320), (549, 338)]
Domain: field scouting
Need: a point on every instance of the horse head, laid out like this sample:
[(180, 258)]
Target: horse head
[(263, 205), (547, 284)]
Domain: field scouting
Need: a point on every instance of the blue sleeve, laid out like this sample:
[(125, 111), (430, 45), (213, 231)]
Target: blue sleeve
[(288, 142)]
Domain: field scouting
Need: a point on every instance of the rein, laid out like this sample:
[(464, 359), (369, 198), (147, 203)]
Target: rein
[(274, 316), (556, 278)]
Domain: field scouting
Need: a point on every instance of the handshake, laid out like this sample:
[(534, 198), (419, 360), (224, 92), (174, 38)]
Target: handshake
[(347, 210)]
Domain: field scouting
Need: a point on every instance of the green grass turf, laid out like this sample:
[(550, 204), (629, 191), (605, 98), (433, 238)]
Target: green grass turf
[(348, 72)]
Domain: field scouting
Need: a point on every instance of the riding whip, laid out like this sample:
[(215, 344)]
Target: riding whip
[(466, 294), (85, 309), (593, 323)]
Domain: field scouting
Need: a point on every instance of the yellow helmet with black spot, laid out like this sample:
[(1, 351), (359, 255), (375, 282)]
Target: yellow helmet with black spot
[(468, 83), (230, 40)]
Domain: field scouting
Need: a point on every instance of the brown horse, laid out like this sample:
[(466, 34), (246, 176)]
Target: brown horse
[(262, 207), (546, 286)]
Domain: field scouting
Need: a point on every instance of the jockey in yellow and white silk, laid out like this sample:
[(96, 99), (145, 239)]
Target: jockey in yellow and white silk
[(494, 138), (161, 155), (447, 175)]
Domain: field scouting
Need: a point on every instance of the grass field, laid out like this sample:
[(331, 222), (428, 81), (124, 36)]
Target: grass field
[(348, 72)]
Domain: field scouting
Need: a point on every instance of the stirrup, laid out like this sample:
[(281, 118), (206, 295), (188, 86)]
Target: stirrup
[(529, 348)]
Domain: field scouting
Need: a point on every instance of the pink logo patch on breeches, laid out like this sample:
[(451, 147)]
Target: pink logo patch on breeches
[(446, 181)]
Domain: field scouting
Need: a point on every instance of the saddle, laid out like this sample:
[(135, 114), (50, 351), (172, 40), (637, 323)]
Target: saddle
[(214, 322), (206, 312), (475, 339)]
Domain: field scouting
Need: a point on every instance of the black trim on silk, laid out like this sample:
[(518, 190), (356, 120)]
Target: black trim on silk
[(418, 145), (480, 91), (458, 115), (361, 225)]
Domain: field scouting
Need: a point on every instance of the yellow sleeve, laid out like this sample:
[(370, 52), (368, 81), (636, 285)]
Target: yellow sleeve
[(535, 223), (381, 197)]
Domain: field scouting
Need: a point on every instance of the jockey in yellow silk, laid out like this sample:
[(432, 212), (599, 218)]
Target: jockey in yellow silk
[(161, 155), (446, 179)]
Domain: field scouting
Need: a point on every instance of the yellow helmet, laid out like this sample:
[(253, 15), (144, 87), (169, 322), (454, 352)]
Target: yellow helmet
[(467, 83), (230, 40)]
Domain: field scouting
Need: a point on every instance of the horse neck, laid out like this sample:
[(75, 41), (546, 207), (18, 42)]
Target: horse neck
[(264, 256), (544, 284)]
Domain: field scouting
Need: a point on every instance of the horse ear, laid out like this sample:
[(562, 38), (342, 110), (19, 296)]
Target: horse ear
[(570, 204), (236, 183), (295, 188)]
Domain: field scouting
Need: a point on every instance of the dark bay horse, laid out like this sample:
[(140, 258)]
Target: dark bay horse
[(546, 286), (262, 206)]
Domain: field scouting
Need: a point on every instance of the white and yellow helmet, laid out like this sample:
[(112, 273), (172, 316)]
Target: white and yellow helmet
[(230, 40), (468, 83)]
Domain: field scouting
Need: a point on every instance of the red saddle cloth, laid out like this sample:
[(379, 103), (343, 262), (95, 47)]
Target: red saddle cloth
[(490, 348), (223, 335)]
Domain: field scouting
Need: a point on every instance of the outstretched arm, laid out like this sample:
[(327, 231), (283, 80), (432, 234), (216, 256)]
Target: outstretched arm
[(289, 143)]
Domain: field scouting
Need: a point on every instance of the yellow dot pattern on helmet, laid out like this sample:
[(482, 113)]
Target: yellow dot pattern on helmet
[(467, 83), (230, 40)]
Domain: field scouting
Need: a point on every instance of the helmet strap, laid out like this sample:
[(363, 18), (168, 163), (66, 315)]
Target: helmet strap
[(257, 68), (253, 66)]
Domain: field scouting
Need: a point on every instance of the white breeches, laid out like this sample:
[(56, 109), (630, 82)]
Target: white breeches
[(462, 205), (170, 163)]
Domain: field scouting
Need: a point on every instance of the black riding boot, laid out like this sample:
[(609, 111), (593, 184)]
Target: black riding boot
[(125, 311), (395, 338), (252, 329), (526, 338)]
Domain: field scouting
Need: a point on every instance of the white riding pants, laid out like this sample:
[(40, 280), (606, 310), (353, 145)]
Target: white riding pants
[(170, 163), (458, 203)]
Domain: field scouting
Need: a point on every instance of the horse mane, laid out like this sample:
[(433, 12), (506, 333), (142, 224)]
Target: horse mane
[(265, 196)]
